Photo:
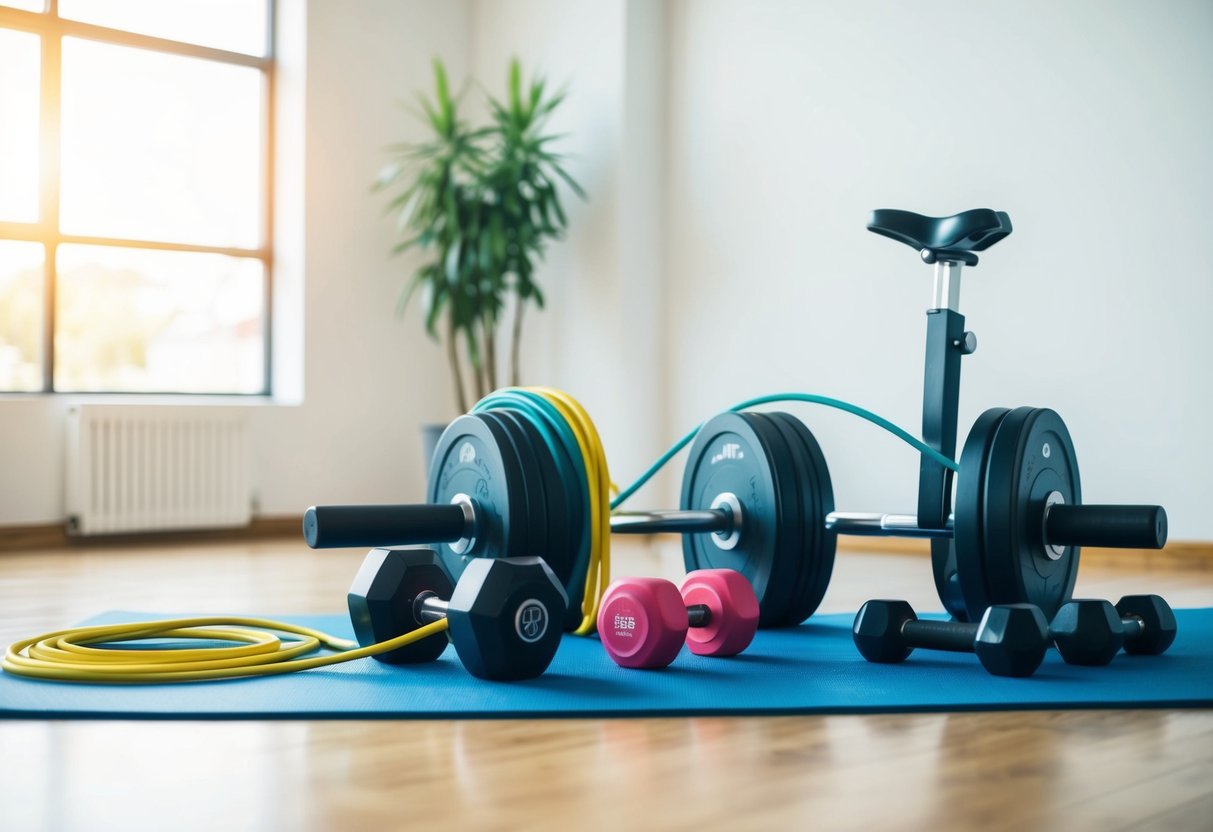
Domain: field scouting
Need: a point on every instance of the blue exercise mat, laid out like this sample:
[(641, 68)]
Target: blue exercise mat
[(811, 669)]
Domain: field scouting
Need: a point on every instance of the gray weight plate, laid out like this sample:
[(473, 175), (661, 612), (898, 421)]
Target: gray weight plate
[(469, 460), (729, 455)]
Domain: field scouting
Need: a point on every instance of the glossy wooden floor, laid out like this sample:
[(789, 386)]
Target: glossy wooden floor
[(1076, 770)]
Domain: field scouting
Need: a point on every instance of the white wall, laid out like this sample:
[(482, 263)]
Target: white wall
[(1088, 122)]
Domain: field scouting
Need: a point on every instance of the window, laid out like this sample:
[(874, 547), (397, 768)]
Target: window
[(135, 212)]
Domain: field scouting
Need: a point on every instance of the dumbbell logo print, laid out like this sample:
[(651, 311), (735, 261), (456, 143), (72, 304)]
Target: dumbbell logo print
[(531, 621)]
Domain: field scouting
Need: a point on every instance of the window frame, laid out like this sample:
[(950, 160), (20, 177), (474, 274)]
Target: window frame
[(51, 29)]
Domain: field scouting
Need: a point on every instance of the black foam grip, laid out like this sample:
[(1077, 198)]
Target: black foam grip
[(332, 527), (1127, 527), (957, 636)]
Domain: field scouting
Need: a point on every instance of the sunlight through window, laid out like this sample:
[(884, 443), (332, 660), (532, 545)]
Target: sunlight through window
[(134, 153)]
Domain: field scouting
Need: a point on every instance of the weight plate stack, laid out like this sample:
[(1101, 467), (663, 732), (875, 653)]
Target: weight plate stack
[(1025, 458), (791, 522), (817, 500), (732, 454), (563, 549), (534, 523)]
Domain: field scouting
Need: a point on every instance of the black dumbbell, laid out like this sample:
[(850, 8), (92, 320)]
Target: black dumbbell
[(1092, 631), (503, 616), (1010, 640)]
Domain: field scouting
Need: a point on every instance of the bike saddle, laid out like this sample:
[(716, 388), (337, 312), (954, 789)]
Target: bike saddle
[(943, 238)]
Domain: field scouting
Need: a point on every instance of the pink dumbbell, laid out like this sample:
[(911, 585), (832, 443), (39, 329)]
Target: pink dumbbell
[(643, 622)]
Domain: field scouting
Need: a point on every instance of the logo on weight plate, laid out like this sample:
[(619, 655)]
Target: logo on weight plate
[(466, 453), (729, 450), (531, 621)]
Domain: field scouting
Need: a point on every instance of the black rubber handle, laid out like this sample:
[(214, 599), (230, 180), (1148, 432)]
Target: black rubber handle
[(333, 527), (957, 636), (1126, 527)]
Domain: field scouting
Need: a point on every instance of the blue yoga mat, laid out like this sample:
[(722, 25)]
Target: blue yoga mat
[(811, 669)]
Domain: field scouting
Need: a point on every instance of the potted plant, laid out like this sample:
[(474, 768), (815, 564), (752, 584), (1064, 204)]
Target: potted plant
[(482, 204)]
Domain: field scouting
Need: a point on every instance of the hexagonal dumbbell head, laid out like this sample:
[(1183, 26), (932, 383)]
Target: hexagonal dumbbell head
[(505, 617), (642, 622), (877, 631), (382, 595), (732, 611), (1087, 632), (1012, 639), (1157, 628)]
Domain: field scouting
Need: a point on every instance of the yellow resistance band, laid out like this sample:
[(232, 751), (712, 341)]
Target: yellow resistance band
[(598, 481), (71, 655)]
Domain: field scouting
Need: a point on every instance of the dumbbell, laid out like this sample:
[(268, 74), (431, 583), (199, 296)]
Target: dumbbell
[(643, 622), (1092, 631), (503, 616), (757, 497), (1010, 639)]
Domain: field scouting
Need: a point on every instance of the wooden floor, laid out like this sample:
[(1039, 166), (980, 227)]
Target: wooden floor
[(1076, 770)]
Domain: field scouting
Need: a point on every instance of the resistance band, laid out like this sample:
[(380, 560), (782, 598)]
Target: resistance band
[(773, 398), (72, 655)]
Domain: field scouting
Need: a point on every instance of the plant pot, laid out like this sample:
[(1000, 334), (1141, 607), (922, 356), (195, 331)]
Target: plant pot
[(430, 434)]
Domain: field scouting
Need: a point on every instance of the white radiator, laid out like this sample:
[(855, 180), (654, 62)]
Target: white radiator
[(135, 468)]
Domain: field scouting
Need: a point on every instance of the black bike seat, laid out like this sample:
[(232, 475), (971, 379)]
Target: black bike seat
[(935, 237)]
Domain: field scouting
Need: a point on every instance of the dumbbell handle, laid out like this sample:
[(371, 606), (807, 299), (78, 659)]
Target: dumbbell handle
[(1134, 626), (428, 607), (330, 527), (699, 615), (957, 636)]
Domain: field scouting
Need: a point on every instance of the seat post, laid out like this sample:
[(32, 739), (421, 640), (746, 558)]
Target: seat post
[(947, 342), (947, 285)]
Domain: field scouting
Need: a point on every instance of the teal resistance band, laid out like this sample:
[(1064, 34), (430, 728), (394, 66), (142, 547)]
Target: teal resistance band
[(554, 430), (838, 404)]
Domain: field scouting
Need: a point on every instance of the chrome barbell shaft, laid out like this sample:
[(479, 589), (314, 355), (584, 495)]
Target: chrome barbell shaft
[(685, 522), (872, 524), (703, 521)]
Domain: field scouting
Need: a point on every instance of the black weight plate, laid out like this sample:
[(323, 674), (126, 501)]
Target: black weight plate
[(470, 460), (789, 552), (802, 486), (729, 455), (947, 585), (969, 566), (563, 546), (572, 484), (535, 521), (1031, 457), (821, 546)]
